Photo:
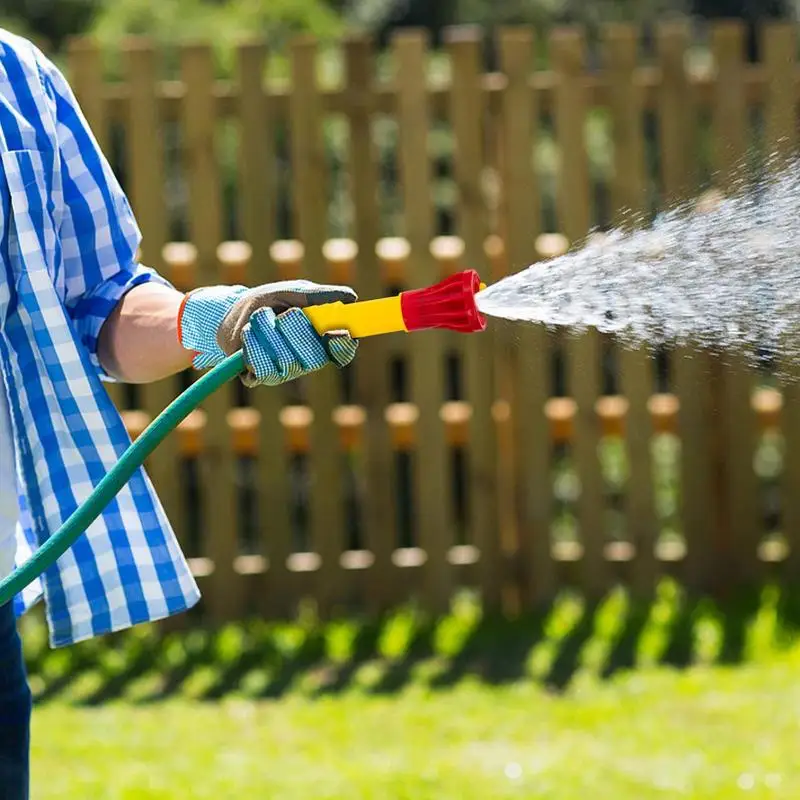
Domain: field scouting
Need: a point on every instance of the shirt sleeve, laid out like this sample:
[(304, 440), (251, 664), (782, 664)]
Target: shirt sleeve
[(98, 231)]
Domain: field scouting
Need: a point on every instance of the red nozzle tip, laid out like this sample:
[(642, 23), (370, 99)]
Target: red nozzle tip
[(448, 304)]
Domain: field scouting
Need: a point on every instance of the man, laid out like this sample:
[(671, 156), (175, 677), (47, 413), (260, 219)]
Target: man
[(75, 309)]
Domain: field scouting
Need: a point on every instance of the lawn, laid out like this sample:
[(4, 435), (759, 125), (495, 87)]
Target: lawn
[(706, 733), (619, 701)]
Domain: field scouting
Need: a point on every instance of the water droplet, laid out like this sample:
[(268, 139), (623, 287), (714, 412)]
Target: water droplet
[(772, 780), (746, 781)]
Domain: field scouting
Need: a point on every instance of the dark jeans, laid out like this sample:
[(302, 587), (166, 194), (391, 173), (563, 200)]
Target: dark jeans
[(15, 711)]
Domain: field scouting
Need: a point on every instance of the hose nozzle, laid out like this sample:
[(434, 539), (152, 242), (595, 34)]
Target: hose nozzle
[(449, 304)]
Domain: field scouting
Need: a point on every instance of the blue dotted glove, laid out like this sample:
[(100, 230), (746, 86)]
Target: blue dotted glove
[(279, 342)]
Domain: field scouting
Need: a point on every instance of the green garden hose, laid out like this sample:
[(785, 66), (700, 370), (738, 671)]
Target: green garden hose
[(119, 475)]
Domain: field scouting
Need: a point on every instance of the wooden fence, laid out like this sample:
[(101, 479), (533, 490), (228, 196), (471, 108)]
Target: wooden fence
[(437, 461)]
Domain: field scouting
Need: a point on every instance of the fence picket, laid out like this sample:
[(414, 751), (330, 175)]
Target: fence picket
[(675, 112), (467, 119), (740, 529), (523, 215), (372, 383), (217, 491), (257, 192), (676, 122), (85, 69), (427, 357), (146, 194), (583, 351), (310, 215), (778, 45), (635, 364)]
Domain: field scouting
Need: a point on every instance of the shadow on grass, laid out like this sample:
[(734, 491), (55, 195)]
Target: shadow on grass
[(679, 648), (289, 669), (399, 671), (622, 655), (341, 675), (571, 646), (494, 649), (56, 685), (114, 685), (734, 626)]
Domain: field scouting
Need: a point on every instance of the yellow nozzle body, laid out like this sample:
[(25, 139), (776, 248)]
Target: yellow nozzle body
[(361, 319)]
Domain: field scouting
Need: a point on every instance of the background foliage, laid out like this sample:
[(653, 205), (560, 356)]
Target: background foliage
[(52, 21)]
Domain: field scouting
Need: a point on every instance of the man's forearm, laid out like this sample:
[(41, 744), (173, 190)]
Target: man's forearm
[(139, 341)]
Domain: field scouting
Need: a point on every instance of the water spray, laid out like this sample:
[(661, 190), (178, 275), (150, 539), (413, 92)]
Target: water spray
[(449, 304)]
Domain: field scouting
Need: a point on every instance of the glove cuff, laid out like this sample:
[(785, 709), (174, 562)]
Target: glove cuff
[(199, 317)]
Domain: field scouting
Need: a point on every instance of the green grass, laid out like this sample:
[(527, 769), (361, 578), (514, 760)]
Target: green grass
[(623, 700), (708, 732)]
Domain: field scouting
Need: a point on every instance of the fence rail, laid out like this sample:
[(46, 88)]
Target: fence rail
[(438, 461)]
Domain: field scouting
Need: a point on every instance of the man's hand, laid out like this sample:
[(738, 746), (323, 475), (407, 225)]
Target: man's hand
[(279, 342)]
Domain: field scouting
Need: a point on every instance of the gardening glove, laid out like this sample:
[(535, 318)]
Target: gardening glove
[(278, 341)]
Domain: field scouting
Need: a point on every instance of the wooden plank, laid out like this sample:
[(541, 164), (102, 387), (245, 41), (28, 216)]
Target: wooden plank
[(728, 109), (695, 418), (740, 524), (256, 164), (496, 167), (523, 215), (675, 117), (635, 365), (790, 497), (257, 195), (583, 351), (85, 69), (427, 357), (145, 165), (311, 218), (384, 584), (779, 46), (467, 117), (220, 506), (543, 84), (676, 122), (628, 183)]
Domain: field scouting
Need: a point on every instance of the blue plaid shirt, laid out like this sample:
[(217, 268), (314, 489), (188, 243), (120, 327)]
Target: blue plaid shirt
[(68, 240)]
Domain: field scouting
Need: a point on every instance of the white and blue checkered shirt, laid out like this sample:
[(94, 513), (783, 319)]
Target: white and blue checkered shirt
[(68, 241)]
